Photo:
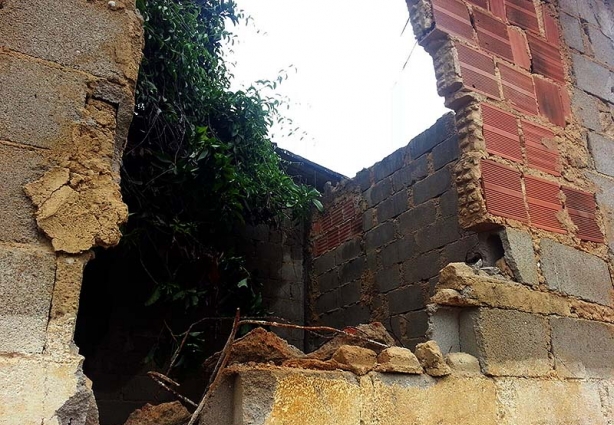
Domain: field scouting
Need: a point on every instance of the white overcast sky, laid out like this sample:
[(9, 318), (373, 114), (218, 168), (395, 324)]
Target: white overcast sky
[(349, 92)]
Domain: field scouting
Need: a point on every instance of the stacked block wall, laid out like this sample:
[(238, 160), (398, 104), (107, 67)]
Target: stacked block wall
[(384, 236), (503, 66), (531, 84), (67, 76)]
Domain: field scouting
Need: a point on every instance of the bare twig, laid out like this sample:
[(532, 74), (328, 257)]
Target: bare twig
[(312, 329), (163, 379), (221, 364)]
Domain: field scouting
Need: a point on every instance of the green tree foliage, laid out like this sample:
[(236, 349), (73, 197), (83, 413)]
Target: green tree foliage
[(199, 161)]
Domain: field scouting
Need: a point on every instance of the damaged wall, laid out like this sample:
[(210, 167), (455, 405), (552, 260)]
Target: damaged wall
[(384, 236), (67, 76)]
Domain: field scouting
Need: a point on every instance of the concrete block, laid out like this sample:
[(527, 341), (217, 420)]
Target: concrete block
[(398, 251), (519, 255), (443, 129), (582, 349), (388, 279), (602, 150), (378, 192), (421, 268), (39, 102), (324, 263), (444, 329), (408, 175), (572, 32), (388, 165), (549, 402), (605, 199), (438, 234), (392, 206), (446, 152), (328, 302), (448, 203), (575, 272), (456, 252), (416, 324), (328, 281), (379, 236), (26, 284), (593, 78), (418, 217), (586, 109), (603, 47), (88, 36), (349, 250), (507, 342), (356, 315), (405, 299), (352, 270), (432, 186), (349, 293), (18, 167)]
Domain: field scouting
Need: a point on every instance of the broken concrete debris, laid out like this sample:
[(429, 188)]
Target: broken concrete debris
[(431, 359), (356, 359), (398, 360), (173, 413)]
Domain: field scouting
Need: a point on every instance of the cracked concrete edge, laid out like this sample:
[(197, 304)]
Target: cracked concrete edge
[(459, 286)]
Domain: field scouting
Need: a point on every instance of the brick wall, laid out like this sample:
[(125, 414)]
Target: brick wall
[(385, 234)]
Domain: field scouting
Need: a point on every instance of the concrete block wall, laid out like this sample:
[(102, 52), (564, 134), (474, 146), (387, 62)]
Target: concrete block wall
[(530, 82), (385, 234), (67, 76), (274, 256)]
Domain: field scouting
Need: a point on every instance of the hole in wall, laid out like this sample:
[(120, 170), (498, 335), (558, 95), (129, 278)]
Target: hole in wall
[(116, 330)]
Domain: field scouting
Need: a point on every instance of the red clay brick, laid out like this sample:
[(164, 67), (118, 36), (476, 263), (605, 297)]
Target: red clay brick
[(503, 191), (452, 17), (541, 148), (478, 71), (566, 102), (581, 207), (497, 8), (544, 204), (501, 133), (550, 101), (552, 29), (492, 35), (522, 13), (518, 89), (482, 3), (520, 48), (546, 58)]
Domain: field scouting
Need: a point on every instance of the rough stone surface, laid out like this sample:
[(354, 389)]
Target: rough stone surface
[(173, 413), (586, 109), (398, 360), (519, 255), (572, 32), (430, 357), (551, 402), (98, 39), (582, 349), (85, 210), (357, 359), (17, 167), (261, 346), (593, 78), (463, 363), (575, 272), (374, 331), (605, 199), (26, 283), (507, 342), (602, 149), (33, 92)]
